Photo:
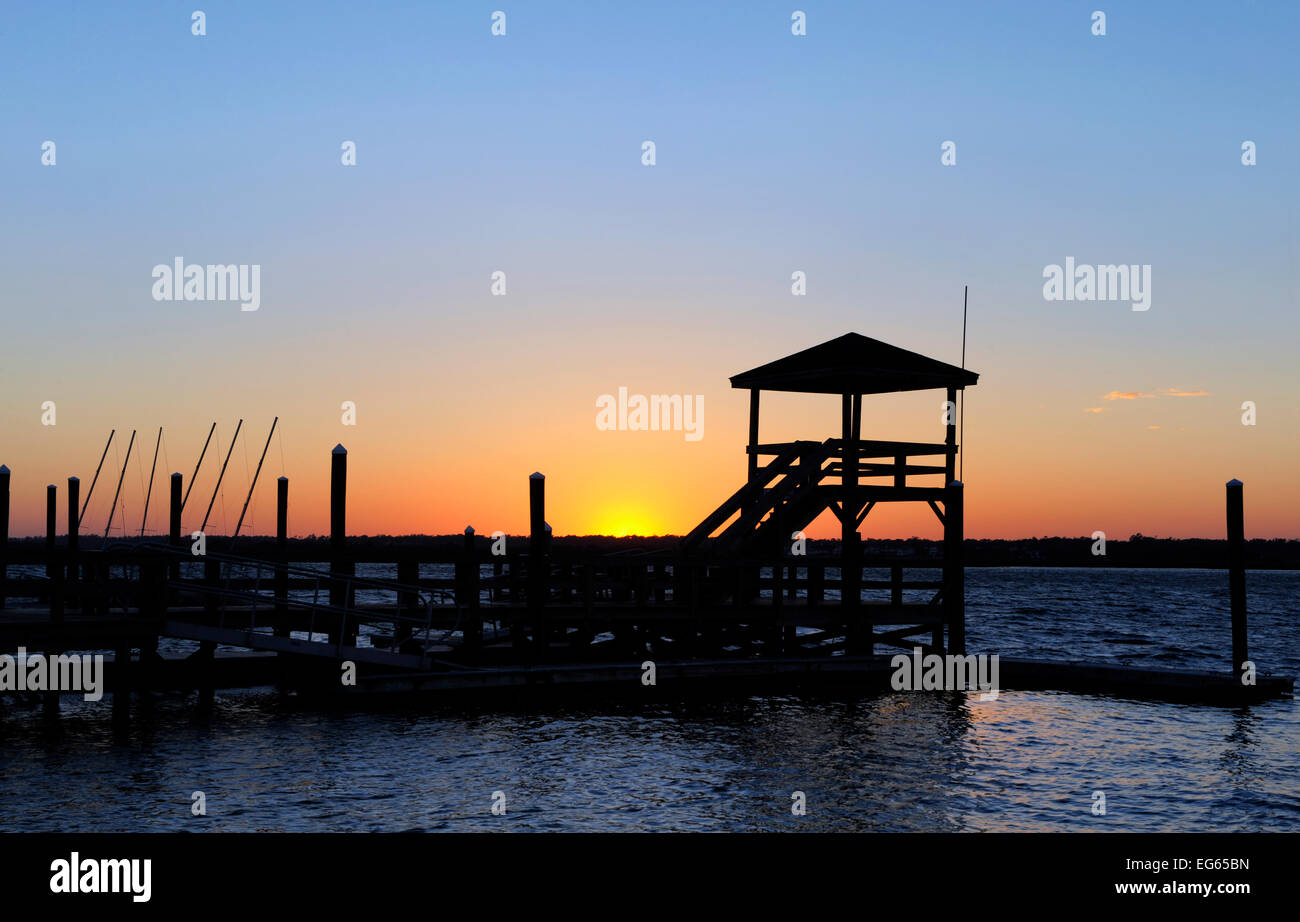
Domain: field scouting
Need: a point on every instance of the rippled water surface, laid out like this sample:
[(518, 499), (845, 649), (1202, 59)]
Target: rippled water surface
[(1027, 761)]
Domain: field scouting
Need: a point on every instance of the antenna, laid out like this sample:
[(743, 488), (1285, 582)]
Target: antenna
[(961, 423)]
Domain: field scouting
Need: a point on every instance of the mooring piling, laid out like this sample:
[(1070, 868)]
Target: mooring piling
[(341, 567), (53, 570), (954, 577), (74, 519), (4, 531), (175, 504), (468, 597), (1237, 573), (282, 553), (538, 569)]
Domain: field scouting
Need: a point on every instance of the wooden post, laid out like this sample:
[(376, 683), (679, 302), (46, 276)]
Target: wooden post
[(74, 489), (954, 572), (753, 434), (340, 569), (4, 531), (1237, 574), (537, 558), (950, 438), (850, 560), (282, 556), (53, 568), (51, 527), (174, 505), (471, 626)]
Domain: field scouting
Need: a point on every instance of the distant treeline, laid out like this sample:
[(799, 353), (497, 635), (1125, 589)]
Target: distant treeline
[(1137, 551)]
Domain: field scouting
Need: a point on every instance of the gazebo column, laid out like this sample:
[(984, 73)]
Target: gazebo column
[(950, 438), (859, 638), (753, 434)]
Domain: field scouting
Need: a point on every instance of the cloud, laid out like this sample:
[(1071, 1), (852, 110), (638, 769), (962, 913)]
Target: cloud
[(1124, 395), (1175, 392), (1153, 427), (1094, 409)]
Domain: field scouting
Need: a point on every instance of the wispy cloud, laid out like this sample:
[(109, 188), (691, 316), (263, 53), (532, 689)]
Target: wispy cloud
[(1175, 392), (1124, 395), (1094, 409)]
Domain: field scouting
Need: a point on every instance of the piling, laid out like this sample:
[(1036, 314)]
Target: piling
[(174, 506), (53, 570), (282, 556), (340, 568), (1237, 573), (859, 635), (538, 565), (74, 518), (468, 592), (954, 568), (4, 531)]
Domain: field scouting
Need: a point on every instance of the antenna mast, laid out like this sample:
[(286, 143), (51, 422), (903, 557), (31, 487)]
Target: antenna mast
[(961, 438)]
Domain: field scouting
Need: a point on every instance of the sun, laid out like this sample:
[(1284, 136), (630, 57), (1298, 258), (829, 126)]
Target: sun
[(624, 522)]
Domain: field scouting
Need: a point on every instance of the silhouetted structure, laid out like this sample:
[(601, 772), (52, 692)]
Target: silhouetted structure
[(735, 599), (804, 479)]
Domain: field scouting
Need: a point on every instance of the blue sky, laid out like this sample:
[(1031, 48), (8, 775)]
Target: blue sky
[(775, 152)]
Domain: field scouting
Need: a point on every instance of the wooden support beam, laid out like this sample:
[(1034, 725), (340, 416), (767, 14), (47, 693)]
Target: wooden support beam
[(850, 551), (74, 519), (752, 453), (174, 505), (538, 561), (53, 570), (950, 436), (340, 568), (282, 552), (954, 572), (468, 598), (1237, 574)]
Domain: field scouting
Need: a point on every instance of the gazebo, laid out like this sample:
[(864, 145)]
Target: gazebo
[(848, 475)]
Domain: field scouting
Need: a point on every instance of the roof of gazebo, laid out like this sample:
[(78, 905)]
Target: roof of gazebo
[(854, 364)]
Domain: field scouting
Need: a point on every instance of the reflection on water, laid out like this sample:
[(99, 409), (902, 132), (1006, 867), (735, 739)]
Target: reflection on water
[(905, 762)]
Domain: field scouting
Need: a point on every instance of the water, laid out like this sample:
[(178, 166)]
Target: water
[(898, 762)]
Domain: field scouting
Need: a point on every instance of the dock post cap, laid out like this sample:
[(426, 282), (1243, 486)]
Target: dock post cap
[(1234, 482), (281, 477), (176, 473), (52, 486), (70, 479), (4, 469), (339, 449), (535, 475), (956, 483), (469, 529)]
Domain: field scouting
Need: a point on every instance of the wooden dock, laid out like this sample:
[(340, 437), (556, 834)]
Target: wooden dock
[(738, 601)]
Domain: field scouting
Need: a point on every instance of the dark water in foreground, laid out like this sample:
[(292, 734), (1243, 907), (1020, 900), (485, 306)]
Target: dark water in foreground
[(904, 761)]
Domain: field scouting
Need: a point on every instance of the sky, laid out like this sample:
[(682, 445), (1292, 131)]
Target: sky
[(523, 154)]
